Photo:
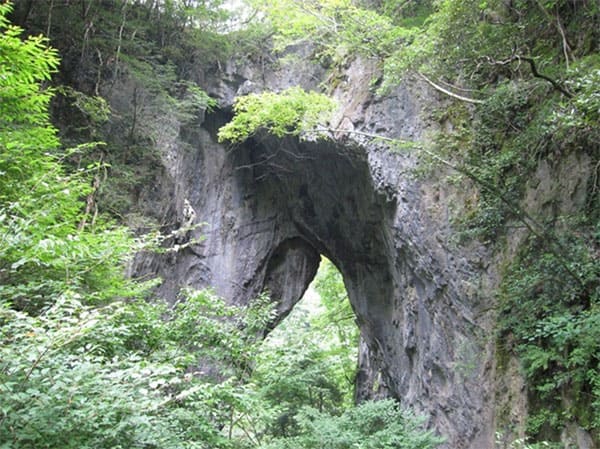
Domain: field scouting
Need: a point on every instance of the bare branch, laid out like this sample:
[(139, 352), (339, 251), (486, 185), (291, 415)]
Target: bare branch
[(559, 27), (449, 93), (563, 35)]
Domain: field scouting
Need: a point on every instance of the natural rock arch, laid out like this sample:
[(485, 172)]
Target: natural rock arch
[(271, 206), (328, 205)]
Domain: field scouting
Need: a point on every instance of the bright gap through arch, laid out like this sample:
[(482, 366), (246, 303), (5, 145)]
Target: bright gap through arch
[(310, 358)]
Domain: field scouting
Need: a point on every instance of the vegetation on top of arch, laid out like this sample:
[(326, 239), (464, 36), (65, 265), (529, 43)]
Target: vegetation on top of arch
[(290, 112)]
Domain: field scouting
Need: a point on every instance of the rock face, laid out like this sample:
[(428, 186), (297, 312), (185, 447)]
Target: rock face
[(269, 207)]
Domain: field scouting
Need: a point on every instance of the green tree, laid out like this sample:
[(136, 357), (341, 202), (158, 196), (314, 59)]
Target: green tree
[(338, 314), (554, 321), (303, 363), (291, 112), (339, 30), (49, 244)]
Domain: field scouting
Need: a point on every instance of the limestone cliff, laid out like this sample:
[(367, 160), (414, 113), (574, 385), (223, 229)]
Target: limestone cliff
[(261, 213), (266, 209), (270, 206)]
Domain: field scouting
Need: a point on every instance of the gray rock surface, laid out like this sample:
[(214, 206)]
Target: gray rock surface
[(269, 207)]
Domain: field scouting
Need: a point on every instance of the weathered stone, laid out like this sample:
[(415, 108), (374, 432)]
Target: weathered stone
[(269, 207)]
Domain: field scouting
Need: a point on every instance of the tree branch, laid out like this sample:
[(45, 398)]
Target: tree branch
[(537, 74), (534, 71), (449, 93), (559, 27)]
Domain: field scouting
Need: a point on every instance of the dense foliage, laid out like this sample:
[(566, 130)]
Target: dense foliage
[(79, 367), (121, 375), (291, 112), (310, 359), (551, 313), (50, 243), (338, 29), (380, 424)]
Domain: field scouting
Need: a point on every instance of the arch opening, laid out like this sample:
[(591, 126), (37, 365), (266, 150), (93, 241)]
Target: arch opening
[(321, 337), (325, 202), (272, 205)]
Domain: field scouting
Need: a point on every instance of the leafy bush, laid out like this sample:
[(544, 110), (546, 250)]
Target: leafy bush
[(119, 376), (371, 425), (290, 112), (338, 28), (551, 309)]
